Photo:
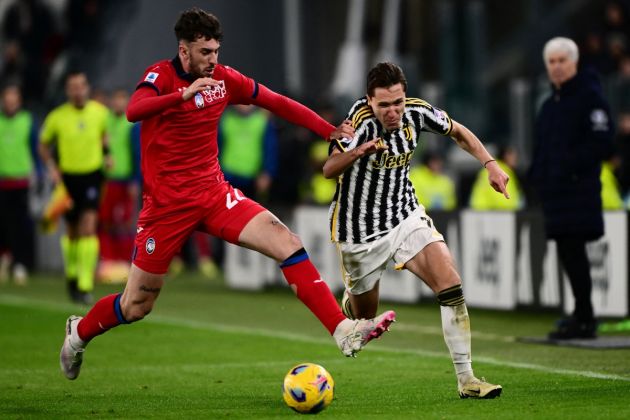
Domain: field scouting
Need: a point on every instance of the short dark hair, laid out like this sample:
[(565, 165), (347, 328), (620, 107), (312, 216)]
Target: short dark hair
[(384, 75), (74, 73), (196, 23)]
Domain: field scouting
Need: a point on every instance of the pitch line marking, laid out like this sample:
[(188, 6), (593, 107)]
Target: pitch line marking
[(209, 326)]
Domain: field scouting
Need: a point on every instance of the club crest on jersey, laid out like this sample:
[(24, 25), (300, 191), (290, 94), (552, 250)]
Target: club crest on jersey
[(151, 77), (199, 100), (599, 119), (150, 245), (407, 132)]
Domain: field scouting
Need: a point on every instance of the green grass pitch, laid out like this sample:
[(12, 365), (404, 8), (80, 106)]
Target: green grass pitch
[(208, 352)]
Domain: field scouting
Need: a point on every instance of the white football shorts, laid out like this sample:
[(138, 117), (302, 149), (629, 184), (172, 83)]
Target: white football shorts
[(362, 265)]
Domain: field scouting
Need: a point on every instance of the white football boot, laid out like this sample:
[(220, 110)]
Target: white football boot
[(352, 335), (71, 355)]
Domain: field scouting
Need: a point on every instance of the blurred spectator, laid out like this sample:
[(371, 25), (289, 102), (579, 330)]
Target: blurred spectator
[(596, 54), (293, 157), (616, 29), (574, 133), (622, 145), (199, 252), (620, 86), (78, 131), (248, 150), (434, 189), (31, 45), (321, 190), (611, 195), (119, 207), (84, 18), (248, 154), (483, 197), (100, 95), (17, 135)]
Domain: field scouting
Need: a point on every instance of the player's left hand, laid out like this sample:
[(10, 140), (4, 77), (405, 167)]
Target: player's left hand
[(344, 130), (498, 179)]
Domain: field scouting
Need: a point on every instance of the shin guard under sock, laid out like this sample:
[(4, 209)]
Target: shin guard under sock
[(104, 315), (456, 329), (311, 289)]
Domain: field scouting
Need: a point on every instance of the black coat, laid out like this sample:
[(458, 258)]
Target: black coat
[(574, 132)]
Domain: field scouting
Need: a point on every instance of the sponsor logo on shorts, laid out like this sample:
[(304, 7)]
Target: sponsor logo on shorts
[(150, 245)]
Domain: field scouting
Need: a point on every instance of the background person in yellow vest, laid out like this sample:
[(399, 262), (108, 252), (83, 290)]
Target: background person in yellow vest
[(482, 195), (434, 189), (321, 190), (248, 154), (77, 130), (248, 149), (119, 207), (611, 196), (16, 170)]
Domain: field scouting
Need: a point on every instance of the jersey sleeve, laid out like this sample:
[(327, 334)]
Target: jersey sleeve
[(433, 118), (157, 78), (48, 132), (359, 113), (241, 89)]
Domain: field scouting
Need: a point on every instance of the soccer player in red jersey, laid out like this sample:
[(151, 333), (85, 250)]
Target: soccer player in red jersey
[(180, 102)]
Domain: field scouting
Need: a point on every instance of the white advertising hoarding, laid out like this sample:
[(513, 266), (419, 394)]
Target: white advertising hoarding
[(489, 258)]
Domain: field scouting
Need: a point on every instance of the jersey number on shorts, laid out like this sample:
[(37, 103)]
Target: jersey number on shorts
[(229, 203)]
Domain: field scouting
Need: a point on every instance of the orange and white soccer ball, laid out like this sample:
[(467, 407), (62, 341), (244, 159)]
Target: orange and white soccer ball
[(308, 388)]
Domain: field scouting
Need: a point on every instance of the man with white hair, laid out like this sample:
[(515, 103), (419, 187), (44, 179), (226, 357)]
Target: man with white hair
[(574, 134)]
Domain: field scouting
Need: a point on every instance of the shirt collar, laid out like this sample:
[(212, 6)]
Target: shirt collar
[(179, 69)]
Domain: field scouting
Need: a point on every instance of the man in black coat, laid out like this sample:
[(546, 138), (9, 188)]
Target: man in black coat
[(574, 134)]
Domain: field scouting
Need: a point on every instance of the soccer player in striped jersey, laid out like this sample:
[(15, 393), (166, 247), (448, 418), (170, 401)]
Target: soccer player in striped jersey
[(375, 216)]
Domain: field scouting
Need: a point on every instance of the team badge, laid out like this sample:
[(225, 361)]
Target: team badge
[(199, 100), (151, 77), (599, 119), (150, 245), (407, 132)]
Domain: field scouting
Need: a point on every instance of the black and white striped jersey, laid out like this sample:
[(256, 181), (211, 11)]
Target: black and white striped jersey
[(374, 195)]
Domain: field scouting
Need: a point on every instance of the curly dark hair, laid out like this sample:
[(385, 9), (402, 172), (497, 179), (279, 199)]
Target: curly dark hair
[(195, 23), (384, 75)]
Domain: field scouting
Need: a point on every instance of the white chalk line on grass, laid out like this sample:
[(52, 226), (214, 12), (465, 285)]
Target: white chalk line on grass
[(209, 326)]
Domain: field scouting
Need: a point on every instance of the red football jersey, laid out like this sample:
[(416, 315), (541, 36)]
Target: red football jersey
[(179, 151), (179, 145)]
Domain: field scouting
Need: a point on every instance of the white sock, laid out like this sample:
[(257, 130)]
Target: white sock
[(456, 329), (75, 340)]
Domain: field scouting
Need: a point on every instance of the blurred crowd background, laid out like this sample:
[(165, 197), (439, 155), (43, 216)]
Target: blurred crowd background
[(480, 60)]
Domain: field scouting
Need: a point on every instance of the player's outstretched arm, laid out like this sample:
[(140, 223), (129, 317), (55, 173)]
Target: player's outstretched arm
[(298, 114), (146, 103), (339, 161), (470, 143)]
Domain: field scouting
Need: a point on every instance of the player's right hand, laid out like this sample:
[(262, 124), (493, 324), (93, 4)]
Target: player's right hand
[(372, 146), (201, 84), (343, 130)]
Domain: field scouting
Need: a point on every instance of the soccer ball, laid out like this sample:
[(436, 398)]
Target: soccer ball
[(308, 388)]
